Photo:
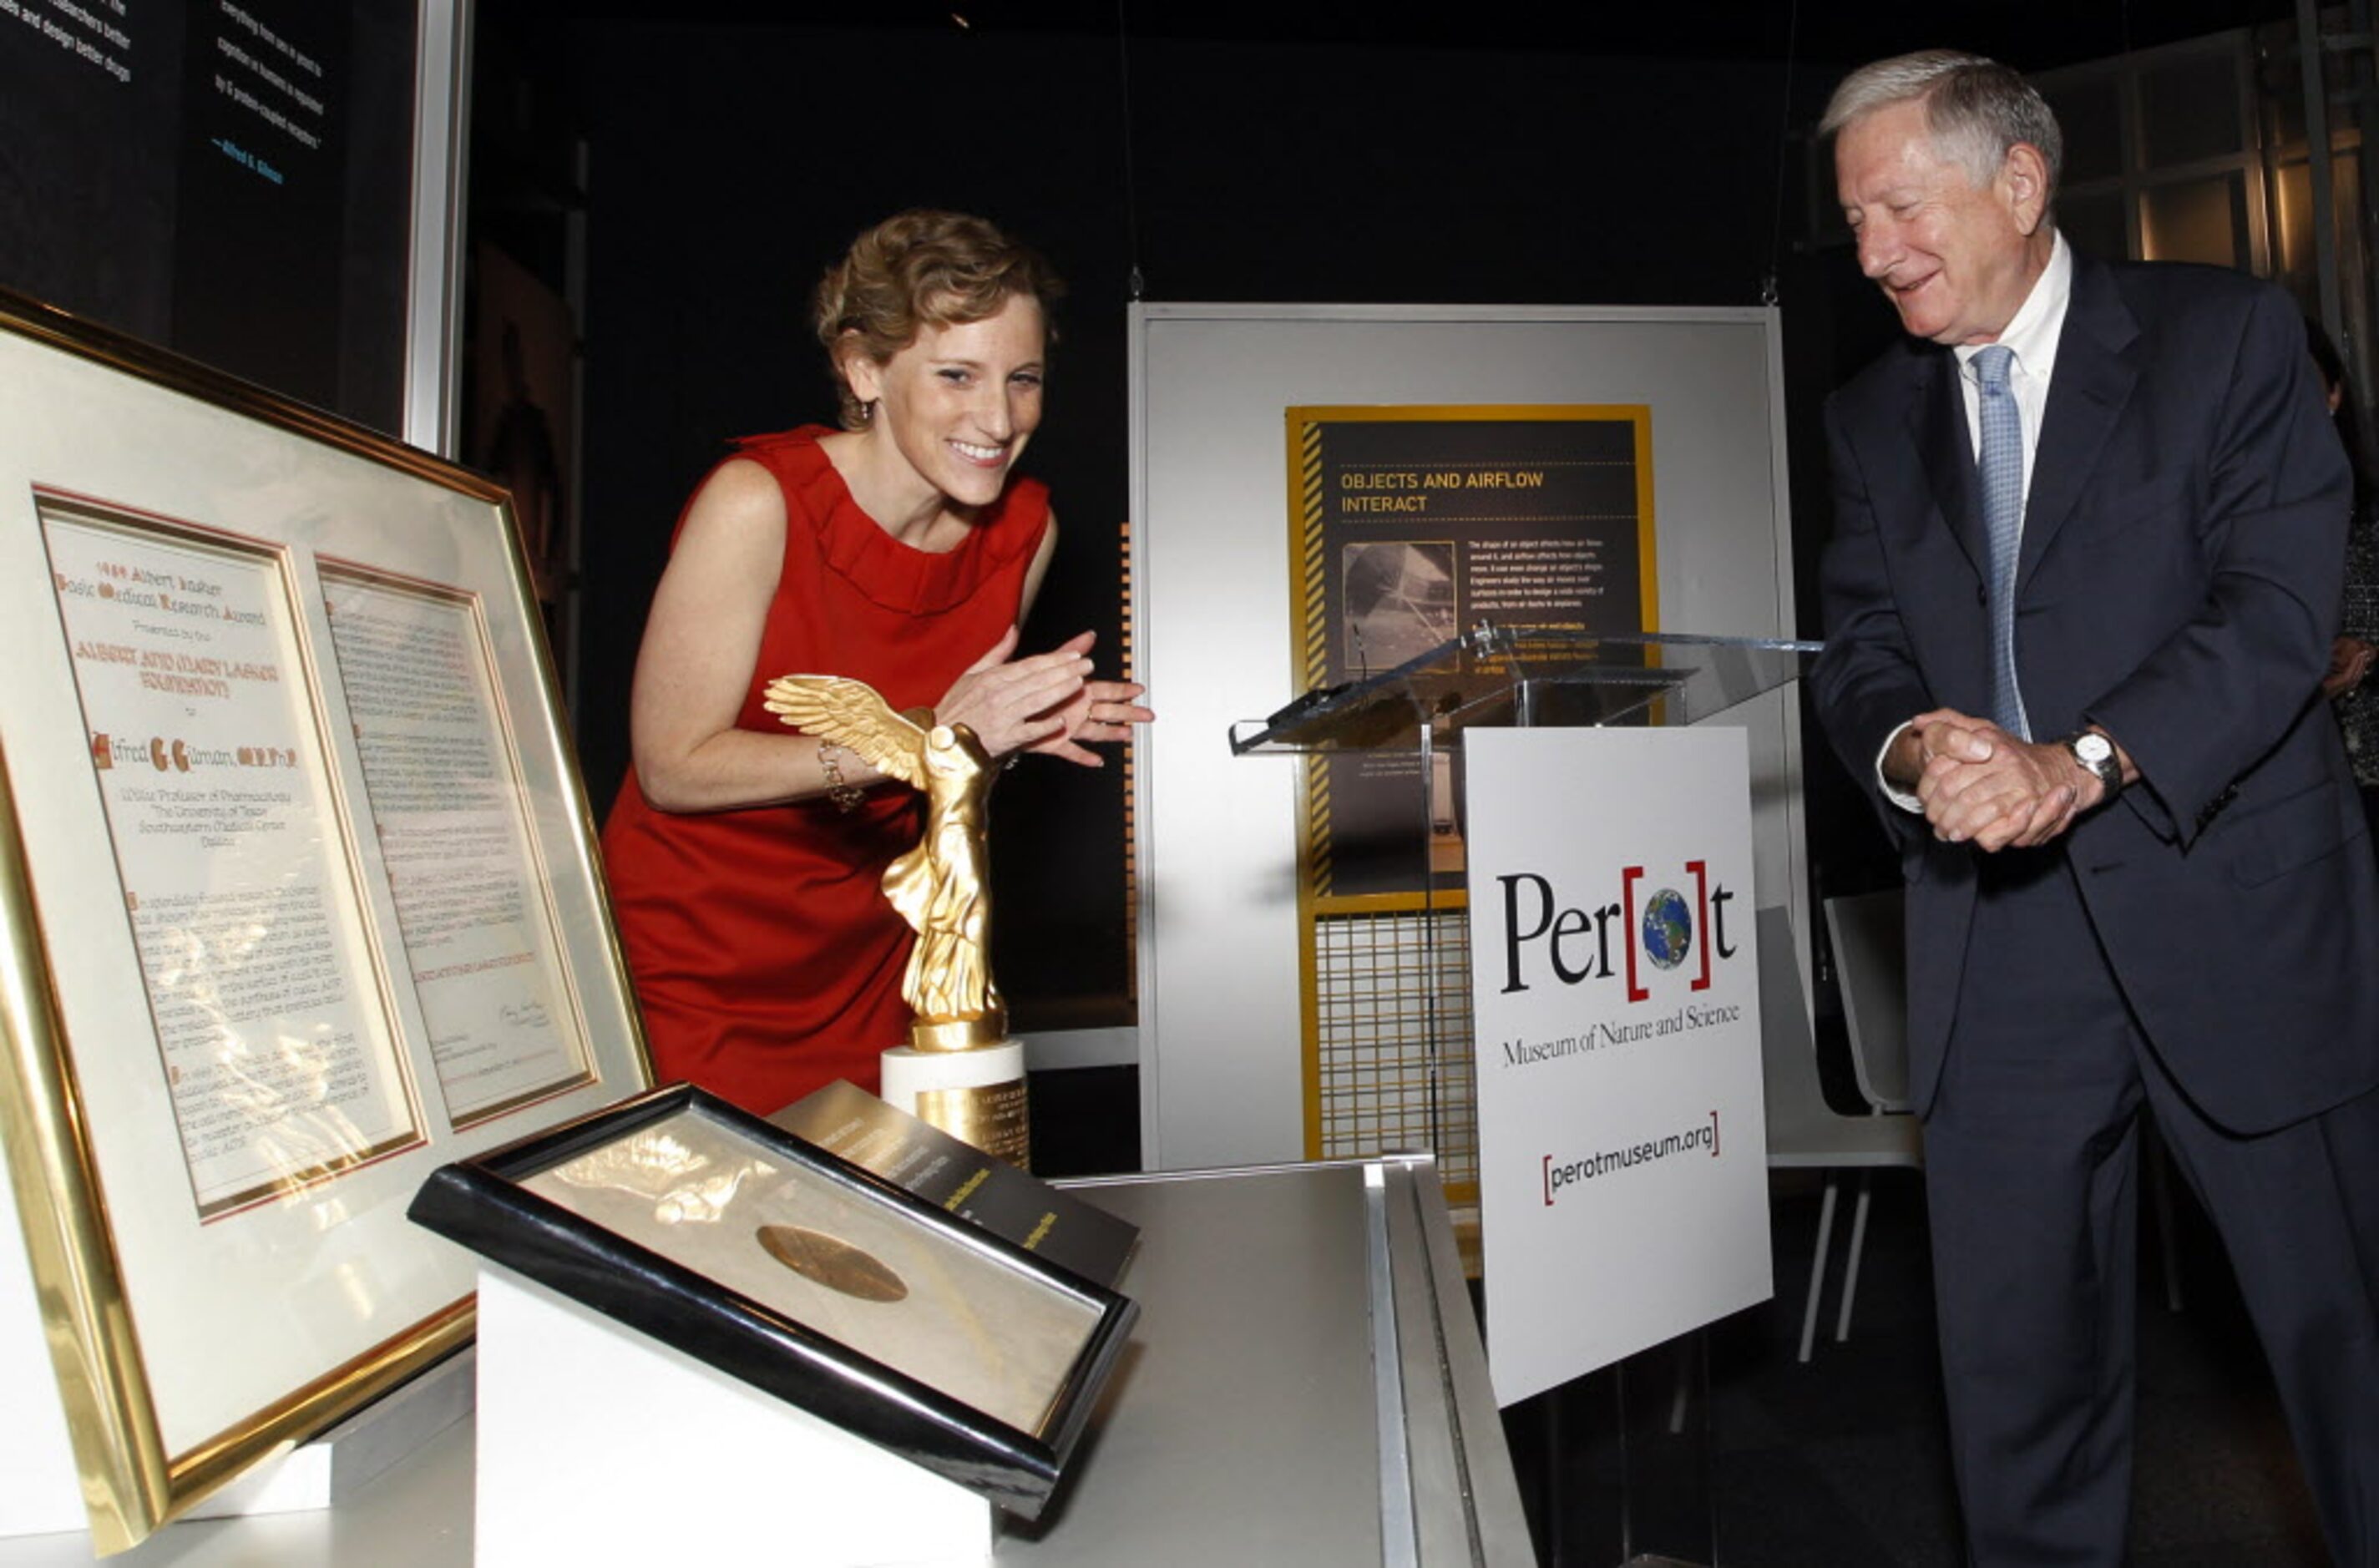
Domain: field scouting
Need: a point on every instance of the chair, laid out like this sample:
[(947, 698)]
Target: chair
[(1871, 962), (1871, 967), (1804, 1131)]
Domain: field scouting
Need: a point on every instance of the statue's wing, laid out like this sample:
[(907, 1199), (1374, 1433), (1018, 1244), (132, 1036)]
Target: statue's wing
[(850, 714)]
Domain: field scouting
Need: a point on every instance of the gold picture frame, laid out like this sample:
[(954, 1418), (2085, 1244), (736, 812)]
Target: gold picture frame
[(300, 898)]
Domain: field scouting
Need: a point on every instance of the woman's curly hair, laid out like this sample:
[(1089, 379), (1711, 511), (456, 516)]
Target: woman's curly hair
[(919, 269)]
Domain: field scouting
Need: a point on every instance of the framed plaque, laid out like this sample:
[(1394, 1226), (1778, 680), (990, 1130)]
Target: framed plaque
[(805, 1276), (300, 895)]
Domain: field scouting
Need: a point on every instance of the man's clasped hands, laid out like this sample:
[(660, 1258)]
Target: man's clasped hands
[(1978, 784)]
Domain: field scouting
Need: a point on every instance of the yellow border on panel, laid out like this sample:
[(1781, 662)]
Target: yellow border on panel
[(1308, 636)]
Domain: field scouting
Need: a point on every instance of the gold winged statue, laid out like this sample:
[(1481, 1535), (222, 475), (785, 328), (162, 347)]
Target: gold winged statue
[(943, 886)]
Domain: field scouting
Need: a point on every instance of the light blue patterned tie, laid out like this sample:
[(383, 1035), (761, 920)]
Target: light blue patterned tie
[(2002, 469)]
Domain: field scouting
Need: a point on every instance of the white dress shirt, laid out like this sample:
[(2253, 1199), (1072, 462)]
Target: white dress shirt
[(2031, 337)]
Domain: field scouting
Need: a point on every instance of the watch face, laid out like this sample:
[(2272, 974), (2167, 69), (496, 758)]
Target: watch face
[(2093, 749)]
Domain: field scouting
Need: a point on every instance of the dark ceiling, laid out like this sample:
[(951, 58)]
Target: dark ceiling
[(2030, 34)]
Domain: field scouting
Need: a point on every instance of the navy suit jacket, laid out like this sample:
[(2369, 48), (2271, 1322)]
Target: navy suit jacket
[(2183, 553)]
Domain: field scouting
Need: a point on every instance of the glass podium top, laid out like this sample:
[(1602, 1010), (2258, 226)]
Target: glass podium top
[(1529, 676)]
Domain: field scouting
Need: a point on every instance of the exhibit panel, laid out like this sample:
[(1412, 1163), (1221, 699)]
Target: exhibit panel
[(432, 412), (300, 898), (1413, 522), (1229, 1035), (271, 186)]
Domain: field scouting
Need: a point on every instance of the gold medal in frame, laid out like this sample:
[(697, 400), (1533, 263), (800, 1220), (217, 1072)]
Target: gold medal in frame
[(807, 1276)]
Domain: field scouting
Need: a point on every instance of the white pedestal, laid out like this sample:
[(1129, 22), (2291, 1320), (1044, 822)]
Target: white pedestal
[(600, 1444), (344, 1459), (40, 1493), (976, 1096), (908, 1073)]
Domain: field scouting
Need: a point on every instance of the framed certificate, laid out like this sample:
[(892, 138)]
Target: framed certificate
[(300, 895), (807, 1276)]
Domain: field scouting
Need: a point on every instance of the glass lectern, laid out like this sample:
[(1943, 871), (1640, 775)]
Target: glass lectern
[(1387, 972)]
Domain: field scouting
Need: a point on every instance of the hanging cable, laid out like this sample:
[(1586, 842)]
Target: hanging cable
[(1131, 184), (1769, 289)]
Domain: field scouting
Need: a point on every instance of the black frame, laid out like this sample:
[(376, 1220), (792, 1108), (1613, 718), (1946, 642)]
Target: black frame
[(481, 1203)]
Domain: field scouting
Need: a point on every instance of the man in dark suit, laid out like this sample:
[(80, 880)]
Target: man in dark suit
[(2088, 541)]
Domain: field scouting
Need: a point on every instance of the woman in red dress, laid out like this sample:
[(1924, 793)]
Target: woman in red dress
[(902, 550)]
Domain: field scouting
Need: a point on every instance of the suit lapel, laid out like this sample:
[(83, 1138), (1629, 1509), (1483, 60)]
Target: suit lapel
[(2092, 381), (1937, 416)]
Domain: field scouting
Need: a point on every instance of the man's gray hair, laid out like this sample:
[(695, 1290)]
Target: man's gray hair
[(1976, 108)]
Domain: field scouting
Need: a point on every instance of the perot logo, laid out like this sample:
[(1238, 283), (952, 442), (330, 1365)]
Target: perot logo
[(1647, 930)]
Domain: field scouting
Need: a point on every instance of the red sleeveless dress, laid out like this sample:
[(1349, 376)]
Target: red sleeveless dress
[(765, 959)]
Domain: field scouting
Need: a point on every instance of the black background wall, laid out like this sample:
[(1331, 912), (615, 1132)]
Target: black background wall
[(728, 162), (728, 165)]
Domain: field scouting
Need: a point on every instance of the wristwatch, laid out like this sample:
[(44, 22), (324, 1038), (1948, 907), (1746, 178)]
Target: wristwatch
[(2096, 753)]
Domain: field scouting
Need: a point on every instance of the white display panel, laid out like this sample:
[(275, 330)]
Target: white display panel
[(1621, 1130), (1219, 1006)]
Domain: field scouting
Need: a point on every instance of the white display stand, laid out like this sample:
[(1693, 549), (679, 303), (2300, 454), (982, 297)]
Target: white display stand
[(40, 1494), (600, 1444), (1276, 1413), (343, 1459)]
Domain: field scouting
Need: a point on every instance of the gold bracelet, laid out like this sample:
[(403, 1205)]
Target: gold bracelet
[(846, 797)]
